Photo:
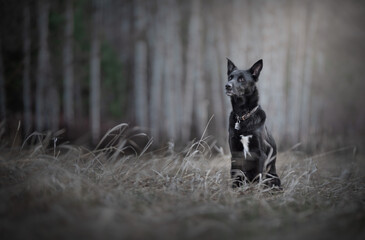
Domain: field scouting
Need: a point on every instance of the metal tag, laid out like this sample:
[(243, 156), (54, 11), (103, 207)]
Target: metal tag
[(237, 126)]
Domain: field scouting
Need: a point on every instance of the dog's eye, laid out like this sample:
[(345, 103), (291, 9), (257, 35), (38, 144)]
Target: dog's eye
[(241, 79), (230, 77)]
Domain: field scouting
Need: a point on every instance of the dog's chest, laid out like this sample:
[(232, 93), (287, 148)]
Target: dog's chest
[(245, 140)]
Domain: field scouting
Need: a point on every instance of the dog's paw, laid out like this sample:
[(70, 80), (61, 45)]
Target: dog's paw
[(238, 182), (275, 183)]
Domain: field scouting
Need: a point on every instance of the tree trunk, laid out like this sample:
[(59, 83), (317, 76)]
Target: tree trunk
[(238, 42), (200, 100), (212, 75), (308, 69), (272, 80), (95, 76), (68, 85), (254, 34), (140, 88), (157, 75), (53, 107), (295, 69), (317, 104), (222, 51), (26, 75), (177, 68), (43, 65), (172, 71), (194, 102), (2, 90), (140, 68)]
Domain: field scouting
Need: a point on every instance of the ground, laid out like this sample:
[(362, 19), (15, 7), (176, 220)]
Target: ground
[(68, 191)]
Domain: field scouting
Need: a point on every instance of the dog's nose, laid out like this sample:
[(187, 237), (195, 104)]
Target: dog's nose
[(228, 86)]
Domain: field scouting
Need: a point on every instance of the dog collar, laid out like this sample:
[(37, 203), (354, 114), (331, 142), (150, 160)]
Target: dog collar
[(244, 117), (247, 115)]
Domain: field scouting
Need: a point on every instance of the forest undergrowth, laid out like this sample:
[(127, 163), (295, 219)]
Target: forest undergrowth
[(65, 191)]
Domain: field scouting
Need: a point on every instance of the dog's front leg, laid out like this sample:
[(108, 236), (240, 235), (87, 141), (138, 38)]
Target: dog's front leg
[(236, 148), (242, 169), (237, 174)]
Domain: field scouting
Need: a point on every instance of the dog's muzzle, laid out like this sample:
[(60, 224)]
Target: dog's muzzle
[(229, 89)]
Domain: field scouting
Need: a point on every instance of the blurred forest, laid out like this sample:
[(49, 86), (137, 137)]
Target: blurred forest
[(88, 65)]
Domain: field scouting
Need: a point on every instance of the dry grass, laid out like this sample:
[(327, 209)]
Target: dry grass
[(70, 192)]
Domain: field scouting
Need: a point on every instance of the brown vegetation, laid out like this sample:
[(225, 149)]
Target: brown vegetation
[(67, 191)]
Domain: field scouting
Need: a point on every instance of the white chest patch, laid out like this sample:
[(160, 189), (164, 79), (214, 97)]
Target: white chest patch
[(245, 140)]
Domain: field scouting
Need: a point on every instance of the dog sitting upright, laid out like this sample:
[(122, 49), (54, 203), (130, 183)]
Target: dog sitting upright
[(252, 147)]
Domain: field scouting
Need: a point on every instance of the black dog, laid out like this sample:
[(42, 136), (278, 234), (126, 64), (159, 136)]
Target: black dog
[(252, 147)]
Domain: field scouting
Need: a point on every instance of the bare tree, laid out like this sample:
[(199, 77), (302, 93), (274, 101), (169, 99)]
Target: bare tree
[(26, 74), (68, 86), (95, 74)]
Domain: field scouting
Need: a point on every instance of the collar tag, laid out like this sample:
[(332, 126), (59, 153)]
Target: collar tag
[(237, 125)]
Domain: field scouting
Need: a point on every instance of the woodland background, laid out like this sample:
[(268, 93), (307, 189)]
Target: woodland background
[(86, 66)]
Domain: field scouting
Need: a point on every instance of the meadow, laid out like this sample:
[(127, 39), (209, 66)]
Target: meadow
[(59, 191)]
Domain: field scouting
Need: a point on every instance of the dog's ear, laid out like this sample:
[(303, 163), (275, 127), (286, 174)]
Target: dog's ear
[(230, 66), (256, 69)]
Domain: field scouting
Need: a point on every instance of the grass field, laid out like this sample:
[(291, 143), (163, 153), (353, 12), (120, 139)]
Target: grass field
[(71, 192)]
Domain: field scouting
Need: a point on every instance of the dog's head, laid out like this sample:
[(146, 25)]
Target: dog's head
[(242, 82)]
